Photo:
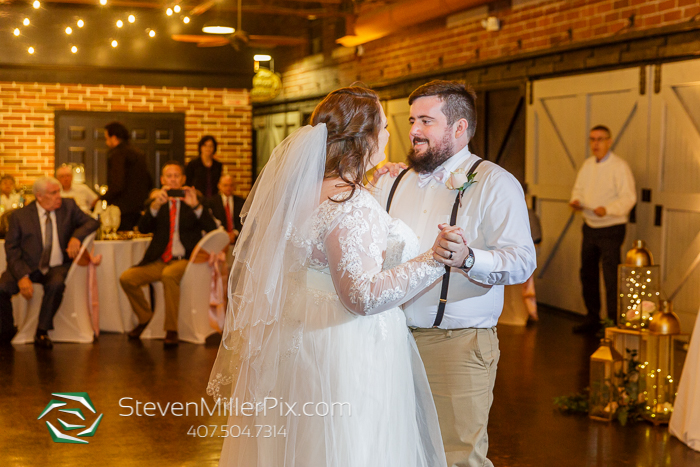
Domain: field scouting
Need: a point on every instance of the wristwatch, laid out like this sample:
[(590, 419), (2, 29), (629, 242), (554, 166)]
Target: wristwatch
[(468, 261)]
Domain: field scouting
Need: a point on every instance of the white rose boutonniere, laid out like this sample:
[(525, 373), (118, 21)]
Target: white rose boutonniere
[(459, 180)]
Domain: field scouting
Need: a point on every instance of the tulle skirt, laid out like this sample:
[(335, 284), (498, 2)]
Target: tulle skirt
[(350, 391)]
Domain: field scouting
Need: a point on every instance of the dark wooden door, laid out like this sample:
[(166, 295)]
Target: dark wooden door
[(80, 139)]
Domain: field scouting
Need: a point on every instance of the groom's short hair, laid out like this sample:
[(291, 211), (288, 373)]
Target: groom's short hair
[(458, 101)]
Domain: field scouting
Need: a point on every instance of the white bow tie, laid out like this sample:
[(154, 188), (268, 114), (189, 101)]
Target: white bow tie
[(440, 175)]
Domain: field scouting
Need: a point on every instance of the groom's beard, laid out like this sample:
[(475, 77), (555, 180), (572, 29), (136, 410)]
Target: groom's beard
[(432, 157)]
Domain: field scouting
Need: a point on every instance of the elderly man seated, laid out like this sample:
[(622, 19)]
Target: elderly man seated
[(176, 218), (84, 197), (42, 240)]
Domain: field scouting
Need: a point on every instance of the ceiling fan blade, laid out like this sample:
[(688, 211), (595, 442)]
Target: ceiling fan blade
[(213, 44), (212, 41), (262, 41)]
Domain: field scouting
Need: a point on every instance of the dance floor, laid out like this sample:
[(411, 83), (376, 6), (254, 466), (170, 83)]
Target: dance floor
[(537, 363)]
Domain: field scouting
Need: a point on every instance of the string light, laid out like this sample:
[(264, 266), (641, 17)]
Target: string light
[(115, 43), (16, 32), (177, 8), (152, 33), (30, 50), (169, 12), (26, 21), (186, 19), (74, 49), (103, 2), (36, 4), (132, 18), (120, 23), (69, 30), (81, 23)]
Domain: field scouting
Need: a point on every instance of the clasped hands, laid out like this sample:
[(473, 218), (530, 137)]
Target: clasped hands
[(600, 211), (160, 197), (450, 246), (26, 287)]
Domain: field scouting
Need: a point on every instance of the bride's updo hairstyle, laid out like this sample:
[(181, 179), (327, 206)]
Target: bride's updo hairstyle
[(353, 120)]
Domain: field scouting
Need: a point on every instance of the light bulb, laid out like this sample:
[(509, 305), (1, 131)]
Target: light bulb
[(103, 2), (177, 8), (152, 33), (120, 23), (16, 32), (169, 12), (81, 23), (115, 43), (26, 21), (186, 19), (30, 50), (36, 4), (69, 30), (74, 49), (132, 18)]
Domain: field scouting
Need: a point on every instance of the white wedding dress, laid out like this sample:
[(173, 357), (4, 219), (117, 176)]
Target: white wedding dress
[(345, 348)]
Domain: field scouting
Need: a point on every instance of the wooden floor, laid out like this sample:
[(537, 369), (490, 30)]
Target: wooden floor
[(537, 363)]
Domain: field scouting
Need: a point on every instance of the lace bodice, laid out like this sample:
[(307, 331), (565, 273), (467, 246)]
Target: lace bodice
[(372, 258)]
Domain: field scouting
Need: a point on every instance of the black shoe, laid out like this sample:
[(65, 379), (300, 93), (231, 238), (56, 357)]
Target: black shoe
[(136, 332), (171, 339), (43, 341), (586, 328), (6, 337)]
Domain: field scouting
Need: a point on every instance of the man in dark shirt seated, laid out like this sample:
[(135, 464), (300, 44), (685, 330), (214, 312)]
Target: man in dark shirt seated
[(226, 207), (176, 218), (42, 240)]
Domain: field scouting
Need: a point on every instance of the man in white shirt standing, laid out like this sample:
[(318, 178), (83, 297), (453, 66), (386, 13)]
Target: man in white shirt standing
[(489, 246), (605, 194), (83, 196)]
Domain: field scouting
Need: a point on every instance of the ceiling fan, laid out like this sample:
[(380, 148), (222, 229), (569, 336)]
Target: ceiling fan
[(238, 38)]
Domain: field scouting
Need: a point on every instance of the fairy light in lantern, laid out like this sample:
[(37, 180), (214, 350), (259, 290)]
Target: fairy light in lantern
[(186, 19), (36, 4), (16, 32), (81, 23), (132, 18), (169, 12), (69, 30), (74, 49), (151, 33), (115, 43), (26, 21), (177, 8), (120, 23), (30, 50)]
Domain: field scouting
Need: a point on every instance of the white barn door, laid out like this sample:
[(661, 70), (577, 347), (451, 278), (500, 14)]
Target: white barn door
[(558, 122), (397, 113), (675, 183)]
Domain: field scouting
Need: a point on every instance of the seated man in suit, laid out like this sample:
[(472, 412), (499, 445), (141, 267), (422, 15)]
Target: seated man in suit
[(176, 221), (42, 239), (227, 208)]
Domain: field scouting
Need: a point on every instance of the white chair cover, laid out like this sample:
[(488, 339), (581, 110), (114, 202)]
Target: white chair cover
[(685, 420), (195, 286), (72, 320)]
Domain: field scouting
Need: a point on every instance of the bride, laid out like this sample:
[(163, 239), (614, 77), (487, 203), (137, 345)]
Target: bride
[(316, 364)]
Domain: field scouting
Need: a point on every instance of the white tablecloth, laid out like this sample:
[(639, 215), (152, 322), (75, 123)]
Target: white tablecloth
[(117, 256)]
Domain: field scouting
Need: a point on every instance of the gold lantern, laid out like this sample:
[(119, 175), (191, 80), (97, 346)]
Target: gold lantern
[(638, 284), (661, 364), (606, 366)]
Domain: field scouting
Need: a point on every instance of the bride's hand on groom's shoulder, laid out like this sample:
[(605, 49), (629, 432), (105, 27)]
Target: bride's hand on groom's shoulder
[(391, 168), (450, 246)]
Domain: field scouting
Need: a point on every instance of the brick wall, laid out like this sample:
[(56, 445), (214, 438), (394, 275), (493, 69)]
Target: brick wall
[(27, 122), (528, 26)]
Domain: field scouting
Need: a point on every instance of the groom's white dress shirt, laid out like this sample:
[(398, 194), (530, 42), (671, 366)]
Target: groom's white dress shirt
[(496, 226)]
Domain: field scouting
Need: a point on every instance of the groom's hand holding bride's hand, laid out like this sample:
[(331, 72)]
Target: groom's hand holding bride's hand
[(391, 168), (450, 247)]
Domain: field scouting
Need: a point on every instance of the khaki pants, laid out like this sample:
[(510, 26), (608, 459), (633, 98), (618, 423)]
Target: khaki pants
[(461, 368), (170, 274)]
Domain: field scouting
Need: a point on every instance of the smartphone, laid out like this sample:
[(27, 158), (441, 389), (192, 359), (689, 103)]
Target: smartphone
[(176, 193)]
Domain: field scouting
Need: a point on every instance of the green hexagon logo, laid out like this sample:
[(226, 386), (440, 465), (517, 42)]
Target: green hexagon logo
[(74, 415)]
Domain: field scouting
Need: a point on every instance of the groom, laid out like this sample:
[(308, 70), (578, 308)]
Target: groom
[(490, 246)]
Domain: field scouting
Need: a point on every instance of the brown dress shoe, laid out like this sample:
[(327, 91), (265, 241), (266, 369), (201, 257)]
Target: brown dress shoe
[(171, 339), (43, 341), (136, 332)]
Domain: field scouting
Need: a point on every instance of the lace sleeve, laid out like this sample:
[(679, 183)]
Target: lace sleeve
[(355, 251)]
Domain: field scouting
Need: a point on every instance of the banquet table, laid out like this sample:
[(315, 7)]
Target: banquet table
[(117, 256)]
